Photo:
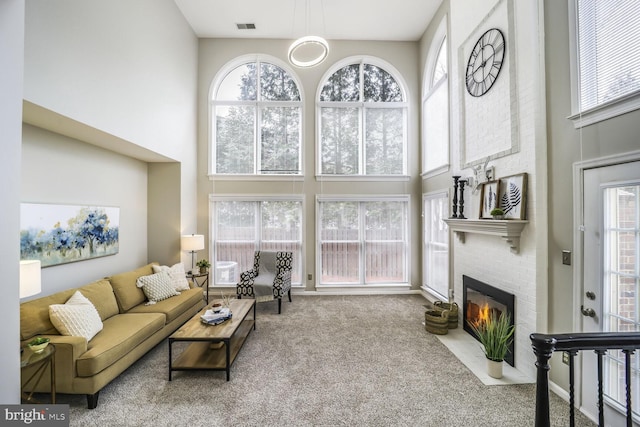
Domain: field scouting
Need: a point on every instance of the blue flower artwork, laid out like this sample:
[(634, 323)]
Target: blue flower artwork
[(59, 234)]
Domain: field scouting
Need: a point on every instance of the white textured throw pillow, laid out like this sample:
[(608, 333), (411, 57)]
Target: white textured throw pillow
[(77, 317), (156, 287), (176, 274)]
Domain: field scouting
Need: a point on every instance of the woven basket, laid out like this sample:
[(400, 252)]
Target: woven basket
[(452, 308), (436, 321)]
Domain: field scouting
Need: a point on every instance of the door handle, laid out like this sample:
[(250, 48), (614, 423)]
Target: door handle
[(589, 312)]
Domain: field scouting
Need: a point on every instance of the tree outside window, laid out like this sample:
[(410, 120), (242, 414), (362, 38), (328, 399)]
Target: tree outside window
[(256, 121), (363, 118)]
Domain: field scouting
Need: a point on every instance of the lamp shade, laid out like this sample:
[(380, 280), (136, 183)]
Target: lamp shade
[(30, 278), (192, 242)]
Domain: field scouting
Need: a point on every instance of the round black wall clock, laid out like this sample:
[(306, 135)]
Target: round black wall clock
[(485, 62)]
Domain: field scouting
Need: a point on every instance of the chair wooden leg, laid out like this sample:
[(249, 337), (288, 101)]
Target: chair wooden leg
[(279, 305), (289, 293)]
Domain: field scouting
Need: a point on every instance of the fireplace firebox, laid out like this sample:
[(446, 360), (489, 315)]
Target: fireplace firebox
[(477, 297)]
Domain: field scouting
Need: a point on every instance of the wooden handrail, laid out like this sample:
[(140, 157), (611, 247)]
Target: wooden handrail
[(544, 345)]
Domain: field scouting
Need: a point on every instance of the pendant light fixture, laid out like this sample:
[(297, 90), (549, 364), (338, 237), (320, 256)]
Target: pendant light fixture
[(308, 51)]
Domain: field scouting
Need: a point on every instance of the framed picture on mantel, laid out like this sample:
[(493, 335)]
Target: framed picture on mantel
[(488, 198), (513, 196)]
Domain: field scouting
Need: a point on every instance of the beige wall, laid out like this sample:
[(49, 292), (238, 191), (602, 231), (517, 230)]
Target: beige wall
[(60, 170), (105, 74), (11, 58), (215, 53), (567, 145)]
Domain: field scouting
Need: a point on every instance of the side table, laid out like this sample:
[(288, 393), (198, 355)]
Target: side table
[(38, 362), (205, 282)]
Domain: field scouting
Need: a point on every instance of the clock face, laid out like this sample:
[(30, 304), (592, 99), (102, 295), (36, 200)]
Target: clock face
[(485, 62)]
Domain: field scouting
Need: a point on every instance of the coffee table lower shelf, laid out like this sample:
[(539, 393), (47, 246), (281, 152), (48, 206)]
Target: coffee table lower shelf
[(213, 347)]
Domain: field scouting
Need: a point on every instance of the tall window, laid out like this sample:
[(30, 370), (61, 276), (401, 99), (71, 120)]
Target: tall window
[(363, 122), (256, 112), (363, 241), (242, 225), (435, 243), (435, 106), (608, 57)]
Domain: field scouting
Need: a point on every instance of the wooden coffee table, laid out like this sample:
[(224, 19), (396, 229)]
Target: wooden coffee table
[(213, 347)]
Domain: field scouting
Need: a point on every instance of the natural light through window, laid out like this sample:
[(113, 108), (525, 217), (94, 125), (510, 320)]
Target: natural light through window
[(242, 225), (363, 122), (608, 58), (363, 241), (256, 121), (435, 107), (436, 244)]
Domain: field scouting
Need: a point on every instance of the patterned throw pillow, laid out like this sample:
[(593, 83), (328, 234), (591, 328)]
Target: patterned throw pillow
[(176, 274), (156, 287), (77, 317)]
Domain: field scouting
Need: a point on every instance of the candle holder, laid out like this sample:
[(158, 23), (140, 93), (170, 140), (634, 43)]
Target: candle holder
[(455, 196), (462, 183)]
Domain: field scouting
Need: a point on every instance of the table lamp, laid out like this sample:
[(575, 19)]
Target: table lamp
[(30, 278), (192, 243)]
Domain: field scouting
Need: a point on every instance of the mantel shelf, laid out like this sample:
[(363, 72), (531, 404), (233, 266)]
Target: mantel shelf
[(508, 229)]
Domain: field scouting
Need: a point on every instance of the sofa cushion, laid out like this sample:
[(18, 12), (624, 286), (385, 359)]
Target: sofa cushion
[(120, 335), (177, 275), (124, 286), (173, 307), (34, 315), (77, 317), (157, 287), (100, 293)]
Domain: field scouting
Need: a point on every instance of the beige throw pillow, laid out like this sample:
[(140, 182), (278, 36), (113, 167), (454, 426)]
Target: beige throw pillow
[(176, 274), (77, 317), (157, 287)]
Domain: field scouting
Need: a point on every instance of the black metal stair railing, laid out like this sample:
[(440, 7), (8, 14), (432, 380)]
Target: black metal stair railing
[(545, 345)]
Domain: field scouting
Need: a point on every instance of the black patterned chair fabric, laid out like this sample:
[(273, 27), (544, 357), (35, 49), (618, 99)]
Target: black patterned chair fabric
[(281, 282)]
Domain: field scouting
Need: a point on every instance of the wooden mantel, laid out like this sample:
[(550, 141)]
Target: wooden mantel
[(508, 229)]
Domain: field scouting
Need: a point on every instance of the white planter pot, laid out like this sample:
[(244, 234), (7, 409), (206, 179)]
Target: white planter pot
[(494, 369)]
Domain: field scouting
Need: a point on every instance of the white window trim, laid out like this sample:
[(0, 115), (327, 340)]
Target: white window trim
[(429, 290), (439, 36), (362, 198), (362, 59), (611, 109), (261, 198), (215, 83)]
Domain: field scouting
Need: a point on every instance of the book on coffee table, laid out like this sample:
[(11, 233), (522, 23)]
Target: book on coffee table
[(211, 317)]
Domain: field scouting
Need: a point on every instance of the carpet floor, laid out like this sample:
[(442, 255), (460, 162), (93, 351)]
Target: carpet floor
[(325, 361)]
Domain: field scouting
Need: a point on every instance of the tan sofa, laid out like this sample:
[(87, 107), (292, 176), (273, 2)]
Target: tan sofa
[(130, 329)]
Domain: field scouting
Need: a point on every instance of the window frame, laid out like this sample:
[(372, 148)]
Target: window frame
[(258, 104), (258, 198), (601, 112), (362, 106), (430, 88), (403, 198), (426, 244)]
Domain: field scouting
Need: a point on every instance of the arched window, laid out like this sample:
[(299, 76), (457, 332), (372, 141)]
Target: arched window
[(256, 114), (362, 116), (435, 106)]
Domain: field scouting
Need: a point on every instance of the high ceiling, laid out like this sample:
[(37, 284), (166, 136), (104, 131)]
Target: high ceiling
[(398, 20)]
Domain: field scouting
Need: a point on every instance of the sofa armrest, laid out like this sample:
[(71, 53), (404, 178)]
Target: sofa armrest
[(68, 350)]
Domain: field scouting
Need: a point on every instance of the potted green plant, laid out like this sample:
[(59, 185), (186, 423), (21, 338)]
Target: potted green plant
[(38, 344), (204, 266), (495, 334), (497, 213)]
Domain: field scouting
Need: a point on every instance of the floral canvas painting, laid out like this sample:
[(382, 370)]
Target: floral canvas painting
[(59, 234)]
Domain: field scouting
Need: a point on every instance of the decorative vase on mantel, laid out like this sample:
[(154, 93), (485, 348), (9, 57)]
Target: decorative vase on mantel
[(494, 368)]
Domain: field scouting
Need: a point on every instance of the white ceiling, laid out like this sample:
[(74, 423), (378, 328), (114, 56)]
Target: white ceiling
[(398, 20)]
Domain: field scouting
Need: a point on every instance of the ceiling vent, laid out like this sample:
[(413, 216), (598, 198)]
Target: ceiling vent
[(246, 26)]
